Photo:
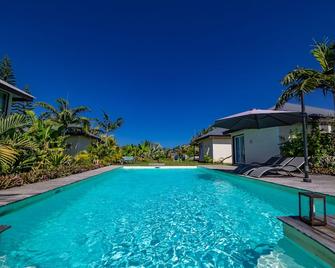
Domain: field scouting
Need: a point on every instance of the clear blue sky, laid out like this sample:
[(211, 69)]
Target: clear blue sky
[(169, 68)]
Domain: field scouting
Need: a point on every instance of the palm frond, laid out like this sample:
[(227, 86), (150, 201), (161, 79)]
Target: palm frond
[(8, 155), (80, 109), (325, 55), (63, 104), (299, 74), (12, 122), (289, 93), (47, 106)]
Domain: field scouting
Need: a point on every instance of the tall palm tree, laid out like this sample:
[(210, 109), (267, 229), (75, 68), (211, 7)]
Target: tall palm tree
[(68, 118), (303, 80), (324, 53), (107, 125)]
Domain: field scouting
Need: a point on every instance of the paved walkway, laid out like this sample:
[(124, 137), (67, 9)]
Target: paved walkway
[(19, 193), (320, 183)]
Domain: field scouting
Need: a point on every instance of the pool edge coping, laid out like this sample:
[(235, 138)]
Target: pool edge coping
[(50, 186), (266, 181)]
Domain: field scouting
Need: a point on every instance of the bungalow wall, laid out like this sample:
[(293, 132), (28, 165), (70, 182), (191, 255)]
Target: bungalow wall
[(78, 143), (261, 144), (222, 150), (216, 148)]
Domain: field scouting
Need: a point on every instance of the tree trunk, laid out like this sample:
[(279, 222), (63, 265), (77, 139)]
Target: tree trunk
[(304, 135)]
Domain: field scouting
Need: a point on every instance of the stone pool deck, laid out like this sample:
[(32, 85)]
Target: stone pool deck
[(19, 193), (320, 183)]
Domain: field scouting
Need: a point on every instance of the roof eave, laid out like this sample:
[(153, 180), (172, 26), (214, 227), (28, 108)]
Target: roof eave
[(19, 95)]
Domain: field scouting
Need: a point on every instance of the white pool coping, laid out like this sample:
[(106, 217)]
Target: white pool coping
[(160, 167)]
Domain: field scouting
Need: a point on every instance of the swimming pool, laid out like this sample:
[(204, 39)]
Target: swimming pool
[(156, 217)]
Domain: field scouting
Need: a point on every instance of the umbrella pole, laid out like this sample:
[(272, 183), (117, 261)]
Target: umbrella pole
[(304, 134)]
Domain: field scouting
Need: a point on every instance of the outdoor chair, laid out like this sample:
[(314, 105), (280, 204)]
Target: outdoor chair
[(288, 168), (127, 160), (241, 169)]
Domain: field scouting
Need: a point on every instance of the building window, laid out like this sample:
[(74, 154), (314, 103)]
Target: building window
[(3, 103)]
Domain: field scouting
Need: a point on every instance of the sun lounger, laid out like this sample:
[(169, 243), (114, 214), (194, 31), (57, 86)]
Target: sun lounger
[(127, 160), (241, 169), (282, 161), (289, 167)]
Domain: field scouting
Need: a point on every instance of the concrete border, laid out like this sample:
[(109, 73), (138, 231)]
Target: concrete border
[(324, 184), (15, 194)]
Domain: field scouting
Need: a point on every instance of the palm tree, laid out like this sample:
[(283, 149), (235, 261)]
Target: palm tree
[(68, 118), (324, 53), (303, 80), (107, 125)]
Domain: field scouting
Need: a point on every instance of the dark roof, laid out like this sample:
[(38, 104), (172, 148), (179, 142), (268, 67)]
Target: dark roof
[(216, 132), (77, 131), (19, 95), (310, 110)]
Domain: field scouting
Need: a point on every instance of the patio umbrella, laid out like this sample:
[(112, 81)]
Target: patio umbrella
[(258, 118)]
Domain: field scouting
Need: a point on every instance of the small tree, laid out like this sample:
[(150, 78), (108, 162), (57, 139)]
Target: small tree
[(6, 71), (107, 125), (21, 107)]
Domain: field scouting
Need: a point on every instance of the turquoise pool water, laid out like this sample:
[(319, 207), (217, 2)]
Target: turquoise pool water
[(156, 217)]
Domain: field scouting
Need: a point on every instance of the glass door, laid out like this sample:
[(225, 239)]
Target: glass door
[(239, 152)]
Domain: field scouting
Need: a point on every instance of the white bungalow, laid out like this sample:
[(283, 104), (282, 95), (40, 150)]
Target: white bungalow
[(258, 145), (215, 145)]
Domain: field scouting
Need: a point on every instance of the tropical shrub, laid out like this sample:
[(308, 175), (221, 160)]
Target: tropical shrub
[(64, 116), (83, 157), (15, 144), (208, 159), (105, 151), (321, 147), (37, 175), (156, 151)]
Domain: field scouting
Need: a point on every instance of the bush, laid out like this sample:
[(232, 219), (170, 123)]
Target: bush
[(36, 175), (208, 159), (321, 149)]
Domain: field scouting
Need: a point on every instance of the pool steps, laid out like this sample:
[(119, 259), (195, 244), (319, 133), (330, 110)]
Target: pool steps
[(319, 240)]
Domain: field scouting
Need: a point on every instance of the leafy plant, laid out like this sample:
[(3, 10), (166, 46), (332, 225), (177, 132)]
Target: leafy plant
[(13, 141), (105, 151), (107, 125), (321, 146), (208, 159), (303, 80), (22, 106), (6, 71), (66, 117), (156, 151)]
